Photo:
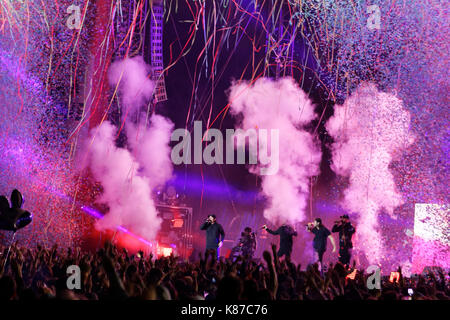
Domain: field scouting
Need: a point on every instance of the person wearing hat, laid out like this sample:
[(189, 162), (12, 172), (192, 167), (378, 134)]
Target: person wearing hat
[(346, 231), (321, 234)]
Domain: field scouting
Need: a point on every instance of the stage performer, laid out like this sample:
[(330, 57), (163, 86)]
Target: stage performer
[(321, 233), (346, 231), (286, 233), (214, 235)]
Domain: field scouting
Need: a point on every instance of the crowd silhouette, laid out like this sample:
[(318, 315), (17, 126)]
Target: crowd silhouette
[(111, 273)]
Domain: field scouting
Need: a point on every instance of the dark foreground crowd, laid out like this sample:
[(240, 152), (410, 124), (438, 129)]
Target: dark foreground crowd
[(112, 273)]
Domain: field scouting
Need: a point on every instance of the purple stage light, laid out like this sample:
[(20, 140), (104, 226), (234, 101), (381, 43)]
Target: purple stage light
[(94, 213)]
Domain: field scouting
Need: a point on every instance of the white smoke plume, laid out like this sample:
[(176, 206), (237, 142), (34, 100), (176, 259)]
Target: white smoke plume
[(370, 129), (283, 106), (125, 191), (134, 85), (128, 176), (150, 147)]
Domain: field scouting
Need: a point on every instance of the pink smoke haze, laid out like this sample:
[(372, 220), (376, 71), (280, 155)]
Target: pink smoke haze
[(129, 176), (131, 75), (150, 147), (125, 191), (370, 130), (283, 106)]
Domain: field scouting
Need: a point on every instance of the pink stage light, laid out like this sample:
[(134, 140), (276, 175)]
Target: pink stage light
[(166, 252), (394, 277)]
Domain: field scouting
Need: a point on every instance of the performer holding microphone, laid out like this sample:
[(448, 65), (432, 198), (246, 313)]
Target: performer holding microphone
[(286, 232), (320, 240), (346, 231), (214, 234)]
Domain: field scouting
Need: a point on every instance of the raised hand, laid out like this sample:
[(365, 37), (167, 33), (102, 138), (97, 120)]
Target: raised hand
[(273, 246), (17, 263), (267, 257)]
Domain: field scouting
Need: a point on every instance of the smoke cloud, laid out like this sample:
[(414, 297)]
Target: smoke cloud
[(129, 175), (126, 192), (370, 130), (134, 86), (150, 147), (283, 106)]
